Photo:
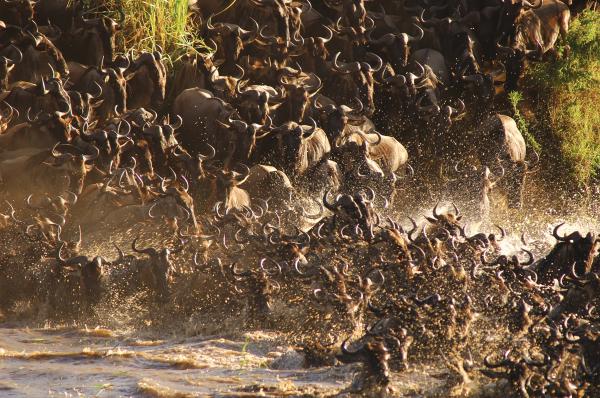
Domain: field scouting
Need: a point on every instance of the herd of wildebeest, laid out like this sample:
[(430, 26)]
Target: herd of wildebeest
[(272, 164)]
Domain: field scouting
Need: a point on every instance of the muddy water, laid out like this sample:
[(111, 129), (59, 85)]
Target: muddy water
[(75, 362), (101, 362)]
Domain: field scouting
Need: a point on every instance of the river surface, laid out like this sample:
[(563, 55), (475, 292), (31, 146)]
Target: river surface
[(79, 362), (70, 361)]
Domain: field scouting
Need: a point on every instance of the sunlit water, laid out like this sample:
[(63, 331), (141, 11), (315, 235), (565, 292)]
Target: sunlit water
[(76, 362)]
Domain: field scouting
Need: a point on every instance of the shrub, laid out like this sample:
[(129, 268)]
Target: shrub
[(570, 90)]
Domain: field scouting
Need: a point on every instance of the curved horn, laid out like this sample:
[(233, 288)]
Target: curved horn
[(330, 34), (149, 251), (212, 154), (531, 258), (435, 213), (178, 123), (416, 38), (555, 233), (345, 68), (378, 60)]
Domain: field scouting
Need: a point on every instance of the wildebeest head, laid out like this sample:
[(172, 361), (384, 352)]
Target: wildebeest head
[(107, 142), (91, 271), (157, 272), (52, 97), (297, 96), (314, 50), (84, 105), (71, 161), (230, 39), (40, 58), (191, 166), (289, 140), (375, 356), (241, 139), (358, 81), (479, 87), (445, 222), (355, 211), (358, 169), (47, 96), (255, 103), (353, 20), (396, 46), (227, 190), (94, 39), (589, 341), (55, 125), (572, 252), (280, 13), (141, 154), (161, 137), (334, 119), (146, 81), (225, 86), (510, 12), (260, 285), (7, 115), (440, 118), (393, 93), (112, 85)]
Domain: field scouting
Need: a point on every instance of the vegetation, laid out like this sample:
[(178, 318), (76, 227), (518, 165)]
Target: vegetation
[(158, 25), (515, 98), (570, 90)]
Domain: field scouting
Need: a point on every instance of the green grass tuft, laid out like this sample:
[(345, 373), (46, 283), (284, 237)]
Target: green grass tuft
[(158, 25), (515, 98), (570, 88)]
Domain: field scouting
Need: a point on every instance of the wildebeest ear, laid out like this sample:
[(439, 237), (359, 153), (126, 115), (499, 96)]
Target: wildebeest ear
[(431, 220), (459, 218)]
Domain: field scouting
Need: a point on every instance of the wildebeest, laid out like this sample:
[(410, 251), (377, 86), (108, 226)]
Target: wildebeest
[(146, 81), (501, 143), (573, 252), (107, 84), (396, 46), (294, 148), (536, 32), (354, 80), (91, 41), (201, 111), (230, 40), (155, 272)]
